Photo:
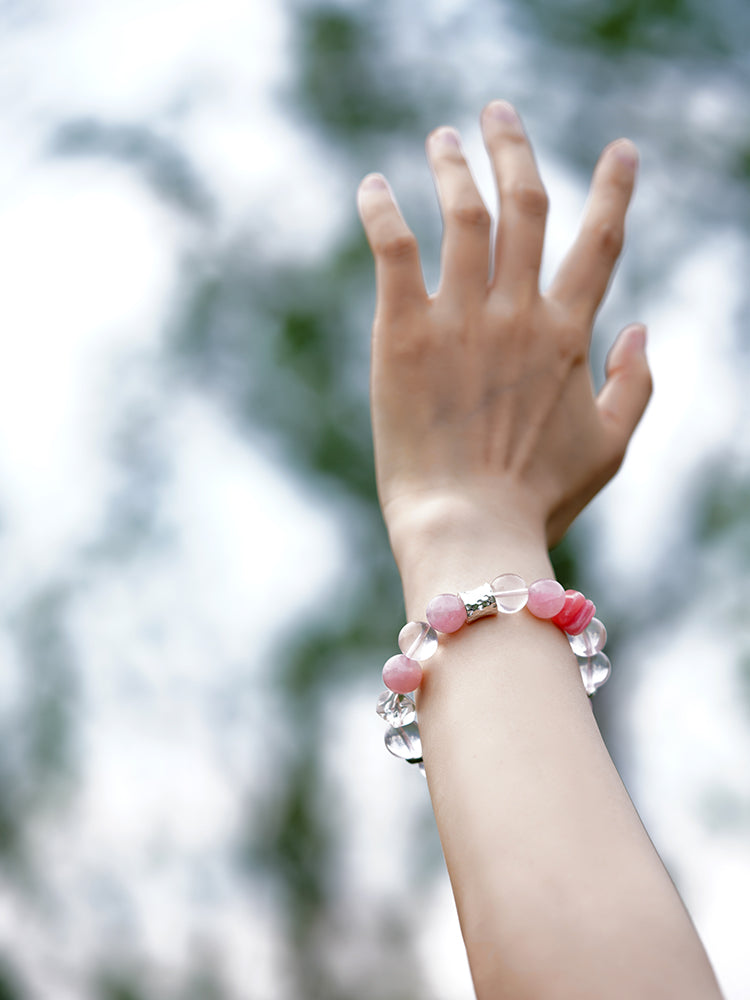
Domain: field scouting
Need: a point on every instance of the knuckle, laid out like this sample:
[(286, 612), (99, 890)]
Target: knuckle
[(608, 239), (646, 386), (571, 346), (508, 137), (530, 199), (408, 348), (511, 315), (613, 462), (472, 215), (396, 246)]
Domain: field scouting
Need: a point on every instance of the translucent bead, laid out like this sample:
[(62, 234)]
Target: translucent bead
[(404, 742), (396, 709), (402, 675), (417, 640), (594, 671), (446, 613), (591, 640), (546, 598), (511, 593)]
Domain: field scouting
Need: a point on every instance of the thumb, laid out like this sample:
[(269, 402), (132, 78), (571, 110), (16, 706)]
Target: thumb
[(625, 394)]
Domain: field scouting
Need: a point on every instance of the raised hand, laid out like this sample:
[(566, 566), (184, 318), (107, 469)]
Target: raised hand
[(482, 397)]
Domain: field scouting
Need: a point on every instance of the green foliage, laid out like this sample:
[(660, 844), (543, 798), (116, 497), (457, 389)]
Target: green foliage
[(10, 986), (120, 987), (157, 159), (683, 28), (722, 505), (38, 776), (284, 349), (346, 83)]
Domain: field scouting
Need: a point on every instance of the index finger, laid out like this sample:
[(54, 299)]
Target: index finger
[(398, 270)]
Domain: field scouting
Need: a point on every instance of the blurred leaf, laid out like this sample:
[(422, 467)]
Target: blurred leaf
[(10, 985), (340, 81), (164, 166), (688, 28), (722, 504)]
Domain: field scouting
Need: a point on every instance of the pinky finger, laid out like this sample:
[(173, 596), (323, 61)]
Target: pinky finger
[(398, 270), (625, 395)]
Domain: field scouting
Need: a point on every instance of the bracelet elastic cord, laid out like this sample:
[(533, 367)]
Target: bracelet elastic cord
[(569, 610)]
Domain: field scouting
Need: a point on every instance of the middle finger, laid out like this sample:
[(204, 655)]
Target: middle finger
[(523, 201)]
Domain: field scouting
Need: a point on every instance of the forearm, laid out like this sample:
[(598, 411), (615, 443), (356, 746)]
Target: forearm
[(559, 890), (489, 440)]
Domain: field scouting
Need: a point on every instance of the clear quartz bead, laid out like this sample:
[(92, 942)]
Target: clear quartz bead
[(591, 641), (404, 742), (511, 593), (396, 709), (418, 640), (594, 671)]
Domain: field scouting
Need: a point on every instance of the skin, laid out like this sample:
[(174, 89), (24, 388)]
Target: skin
[(489, 440)]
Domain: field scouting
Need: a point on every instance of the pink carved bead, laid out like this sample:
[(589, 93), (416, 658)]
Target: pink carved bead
[(582, 620), (576, 614), (401, 674), (446, 613), (574, 603), (546, 598)]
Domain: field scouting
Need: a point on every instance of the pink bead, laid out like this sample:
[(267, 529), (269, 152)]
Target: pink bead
[(401, 674), (576, 614), (574, 603), (546, 598), (582, 620), (446, 613)]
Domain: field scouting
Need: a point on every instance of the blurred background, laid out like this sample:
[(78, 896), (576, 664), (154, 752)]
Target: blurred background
[(196, 594)]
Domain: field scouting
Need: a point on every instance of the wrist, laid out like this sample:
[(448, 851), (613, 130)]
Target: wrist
[(451, 543)]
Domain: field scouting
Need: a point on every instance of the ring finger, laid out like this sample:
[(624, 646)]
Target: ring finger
[(465, 252)]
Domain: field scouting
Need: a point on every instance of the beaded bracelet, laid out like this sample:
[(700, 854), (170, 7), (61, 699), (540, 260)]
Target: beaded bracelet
[(446, 613)]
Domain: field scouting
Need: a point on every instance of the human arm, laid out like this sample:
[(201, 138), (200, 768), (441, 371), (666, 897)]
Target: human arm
[(489, 439)]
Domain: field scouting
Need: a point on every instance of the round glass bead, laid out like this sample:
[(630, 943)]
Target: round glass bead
[(546, 598), (592, 640), (396, 709), (511, 593), (446, 613), (418, 641), (401, 674), (594, 671), (404, 742)]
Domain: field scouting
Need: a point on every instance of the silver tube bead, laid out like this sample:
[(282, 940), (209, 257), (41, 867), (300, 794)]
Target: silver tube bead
[(479, 602)]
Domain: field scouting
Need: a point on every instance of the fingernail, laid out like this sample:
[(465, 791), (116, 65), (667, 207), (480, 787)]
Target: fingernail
[(502, 111), (447, 137), (635, 338), (626, 152), (374, 182)]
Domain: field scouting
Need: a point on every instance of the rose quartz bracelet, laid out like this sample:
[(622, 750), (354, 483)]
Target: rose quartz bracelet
[(507, 594)]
